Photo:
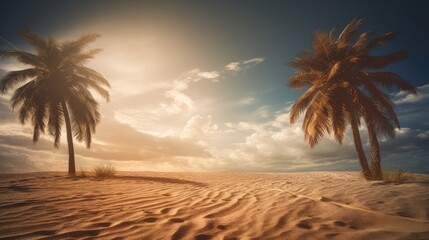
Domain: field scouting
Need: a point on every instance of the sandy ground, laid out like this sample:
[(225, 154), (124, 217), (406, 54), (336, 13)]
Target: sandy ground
[(319, 205)]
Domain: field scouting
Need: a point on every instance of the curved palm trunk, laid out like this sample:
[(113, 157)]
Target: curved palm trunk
[(72, 168), (359, 149), (375, 154)]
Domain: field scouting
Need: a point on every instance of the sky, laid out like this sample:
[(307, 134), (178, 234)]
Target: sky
[(202, 85)]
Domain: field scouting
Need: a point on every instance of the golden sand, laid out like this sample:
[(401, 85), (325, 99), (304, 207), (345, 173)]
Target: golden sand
[(317, 205)]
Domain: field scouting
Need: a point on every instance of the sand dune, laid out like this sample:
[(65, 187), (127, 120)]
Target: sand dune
[(320, 205)]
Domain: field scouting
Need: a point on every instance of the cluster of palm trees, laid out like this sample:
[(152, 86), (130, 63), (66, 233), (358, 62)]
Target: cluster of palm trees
[(343, 81), (342, 90)]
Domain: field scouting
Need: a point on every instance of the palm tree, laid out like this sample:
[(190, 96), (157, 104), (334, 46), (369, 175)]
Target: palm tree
[(344, 86), (56, 89)]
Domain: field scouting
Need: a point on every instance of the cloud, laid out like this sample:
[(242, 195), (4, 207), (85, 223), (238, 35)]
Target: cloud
[(7, 65), (243, 65), (209, 75), (171, 105), (139, 146), (22, 160), (197, 127), (277, 146), (263, 112), (233, 66), (19, 154), (180, 101), (253, 61), (6, 115), (403, 97), (114, 142), (193, 76), (274, 145), (246, 101)]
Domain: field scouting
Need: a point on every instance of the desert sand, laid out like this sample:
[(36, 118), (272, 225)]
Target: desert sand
[(316, 205)]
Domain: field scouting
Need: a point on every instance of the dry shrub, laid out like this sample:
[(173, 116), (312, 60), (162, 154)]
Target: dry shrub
[(104, 171), (82, 173), (398, 177)]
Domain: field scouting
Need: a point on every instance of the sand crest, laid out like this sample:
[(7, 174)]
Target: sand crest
[(318, 205)]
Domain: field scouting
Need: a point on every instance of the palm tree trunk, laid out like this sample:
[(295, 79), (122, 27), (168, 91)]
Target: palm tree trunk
[(72, 168), (359, 149), (375, 154)]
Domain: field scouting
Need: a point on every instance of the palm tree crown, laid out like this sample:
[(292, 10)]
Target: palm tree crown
[(56, 88), (345, 88)]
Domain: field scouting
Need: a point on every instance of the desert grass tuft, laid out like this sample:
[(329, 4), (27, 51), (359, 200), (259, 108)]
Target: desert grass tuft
[(104, 171), (398, 177), (82, 173)]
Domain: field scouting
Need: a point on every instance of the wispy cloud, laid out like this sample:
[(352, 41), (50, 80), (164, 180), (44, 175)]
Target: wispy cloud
[(404, 97), (209, 75), (197, 127), (246, 101), (277, 146), (253, 61), (244, 64), (114, 141), (233, 66), (175, 102), (263, 112), (179, 101)]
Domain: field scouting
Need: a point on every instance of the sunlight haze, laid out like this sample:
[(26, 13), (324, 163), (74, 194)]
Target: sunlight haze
[(203, 87)]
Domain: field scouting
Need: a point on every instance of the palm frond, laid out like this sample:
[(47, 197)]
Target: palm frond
[(91, 74), (22, 93), (316, 126), (334, 71), (389, 79), (23, 57), (84, 109), (303, 79), (317, 119), (72, 47), (323, 45), (302, 103), (83, 57), (25, 111), (31, 38), (36, 133), (307, 62), (380, 40), (55, 121), (29, 96), (360, 43), (385, 104), (89, 83), (39, 118), (377, 62), (13, 78), (339, 116), (371, 111), (349, 31)]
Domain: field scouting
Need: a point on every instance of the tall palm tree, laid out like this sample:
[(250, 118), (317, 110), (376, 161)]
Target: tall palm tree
[(56, 89), (344, 87)]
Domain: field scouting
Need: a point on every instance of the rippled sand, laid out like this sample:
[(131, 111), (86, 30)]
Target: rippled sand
[(320, 205)]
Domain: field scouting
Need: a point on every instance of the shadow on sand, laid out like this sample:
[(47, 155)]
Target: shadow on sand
[(161, 179), (18, 188)]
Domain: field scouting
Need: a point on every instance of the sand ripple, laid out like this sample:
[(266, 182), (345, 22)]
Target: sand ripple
[(202, 206)]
